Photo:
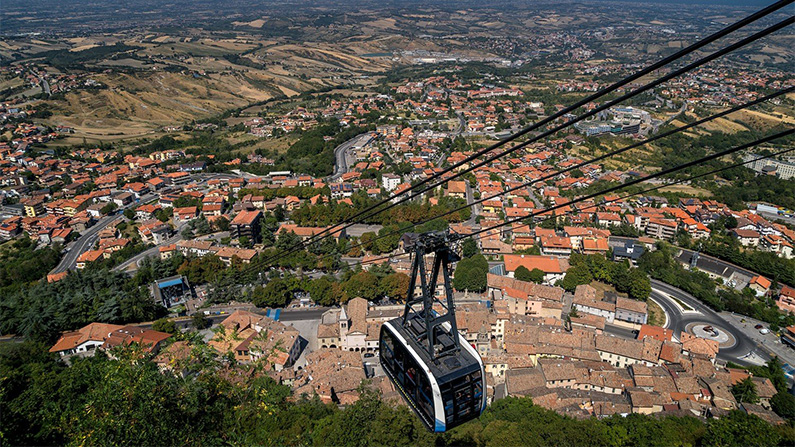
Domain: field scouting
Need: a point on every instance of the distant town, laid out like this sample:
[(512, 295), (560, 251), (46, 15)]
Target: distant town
[(231, 204)]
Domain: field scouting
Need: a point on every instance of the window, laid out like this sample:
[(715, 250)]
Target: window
[(387, 350), (408, 373)]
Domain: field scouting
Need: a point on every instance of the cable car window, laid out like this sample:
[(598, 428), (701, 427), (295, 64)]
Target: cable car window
[(424, 396), (463, 401), (388, 349), (447, 397), (477, 388)]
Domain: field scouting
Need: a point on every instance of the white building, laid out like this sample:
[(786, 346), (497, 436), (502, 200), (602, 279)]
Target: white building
[(390, 181)]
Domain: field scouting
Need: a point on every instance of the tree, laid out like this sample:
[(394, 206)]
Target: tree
[(323, 292), (129, 213), (745, 391), (109, 208), (165, 325), (471, 274), (200, 321), (221, 223), (164, 214), (523, 274), (201, 225), (366, 240), (395, 286), (537, 275), (469, 248), (638, 285), (276, 293), (363, 284), (287, 240), (576, 276), (783, 404), (739, 429)]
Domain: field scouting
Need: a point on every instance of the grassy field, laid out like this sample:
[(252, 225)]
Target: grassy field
[(602, 288), (138, 105), (277, 145), (687, 189), (656, 314)]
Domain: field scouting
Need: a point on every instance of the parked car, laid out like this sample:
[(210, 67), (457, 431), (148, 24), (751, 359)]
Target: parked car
[(758, 326), (764, 331)]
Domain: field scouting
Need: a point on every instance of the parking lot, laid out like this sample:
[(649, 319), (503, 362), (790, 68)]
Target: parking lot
[(769, 342)]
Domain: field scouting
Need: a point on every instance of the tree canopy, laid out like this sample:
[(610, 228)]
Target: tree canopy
[(471, 273)]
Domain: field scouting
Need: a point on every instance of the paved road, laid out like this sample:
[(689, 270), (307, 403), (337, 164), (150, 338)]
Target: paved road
[(286, 315), (534, 198), (620, 331), (87, 239), (154, 251), (475, 210), (462, 124), (45, 86), (356, 230), (82, 244), (770, 342), (677, 321), (342, 157)]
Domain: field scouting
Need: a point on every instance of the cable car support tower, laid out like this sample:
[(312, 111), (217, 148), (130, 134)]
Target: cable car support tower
[(425, 323)]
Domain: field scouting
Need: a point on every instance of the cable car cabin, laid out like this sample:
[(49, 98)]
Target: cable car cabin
[(444, 393)]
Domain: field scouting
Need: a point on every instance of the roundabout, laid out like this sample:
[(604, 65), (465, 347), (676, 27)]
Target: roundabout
[(702, 322), (712, 332)]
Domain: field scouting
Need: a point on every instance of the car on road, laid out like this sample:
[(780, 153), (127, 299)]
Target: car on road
[(764, 331), (758, 326)]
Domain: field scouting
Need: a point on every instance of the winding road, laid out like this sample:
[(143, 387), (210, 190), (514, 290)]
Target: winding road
[(342, 158), (83, 244), (89, 237), (679, 319)]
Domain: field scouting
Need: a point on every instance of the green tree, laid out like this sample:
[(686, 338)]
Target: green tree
[(576, 276), (469, 248), (109, 208), (200, 321), (783, 403), (164, 214), (165, 325), (745, 391), (221, 223), (394, 286), (277, 293), (523, 274), (366, 240), (471, 274), (362, 284), (287, 240), (323, 292), (537, 275), (638, 284), (739, 429), (129, 213)]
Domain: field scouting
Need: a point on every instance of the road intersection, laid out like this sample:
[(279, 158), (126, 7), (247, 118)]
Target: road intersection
[(696, 316)]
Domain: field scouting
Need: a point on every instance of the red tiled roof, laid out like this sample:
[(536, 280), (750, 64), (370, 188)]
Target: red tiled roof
[(547, 264)]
